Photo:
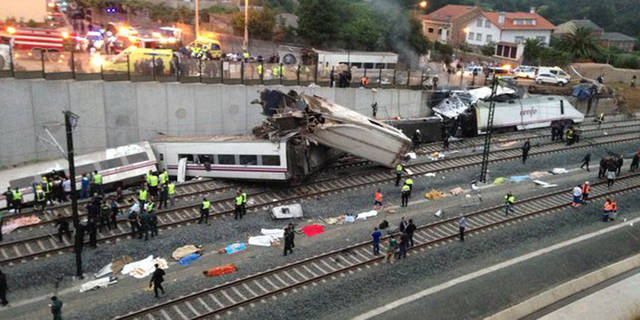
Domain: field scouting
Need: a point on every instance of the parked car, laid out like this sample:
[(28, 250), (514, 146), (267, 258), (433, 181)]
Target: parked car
[(556, 71), (470, 70), (526, 72), (551, 79)]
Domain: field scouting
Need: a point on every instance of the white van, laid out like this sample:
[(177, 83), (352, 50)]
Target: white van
[(5, 60), (556, 71)]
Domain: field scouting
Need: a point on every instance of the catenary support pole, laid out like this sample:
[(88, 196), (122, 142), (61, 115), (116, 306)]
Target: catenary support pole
[(70, 119)]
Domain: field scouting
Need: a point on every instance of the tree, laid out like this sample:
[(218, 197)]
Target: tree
[(488, 49), (362, 31), (581, 44), (261, 23), (319, 20), (532, 51)]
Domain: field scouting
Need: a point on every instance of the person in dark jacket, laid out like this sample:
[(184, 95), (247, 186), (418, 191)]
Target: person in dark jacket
[(410, 229), (93, 232), (403, 244), (585, 161), (3, 289), (635, 162), (619, 164), (56, 308), (288, 240), (62, 223), (525, 151), (157, 279)]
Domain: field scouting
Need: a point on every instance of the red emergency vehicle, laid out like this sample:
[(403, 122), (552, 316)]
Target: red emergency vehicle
[(36, 38)]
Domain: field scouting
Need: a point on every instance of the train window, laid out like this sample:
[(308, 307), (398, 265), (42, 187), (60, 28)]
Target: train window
[(391, 65), (161, 156), (205, 158), (376, 123), (85, 168), (249, 160), (188, 156), (226, 159), (379, 65), (271, 160), (356, 64), (368, 65), (110, 163), (21, 183), (137, 157)]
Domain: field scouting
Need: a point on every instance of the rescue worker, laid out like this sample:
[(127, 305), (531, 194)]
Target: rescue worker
[(164, 177), (8, 195), (244, 202), (157, 279), (246, 56), (585, 161), (586, 188), (47, 188), (608, 208), (275, 71), (91, 228), (416, 139), (142, 195), (399, 170), (614, 209), (56, 308), (171, 190), (16, 198), (577, 196), (509, 200), (41, 199), (403, 241), (238, 206), (525, 151), (260, 69), (153, 185), (97, 181), (409, 182), (134, 220), (406, 191), (164, 196), (377, 199), (105, 213), (62, 223), (204, 211), (154, 223)]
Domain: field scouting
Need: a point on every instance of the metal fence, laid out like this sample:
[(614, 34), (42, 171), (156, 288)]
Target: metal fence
[(85, 66)]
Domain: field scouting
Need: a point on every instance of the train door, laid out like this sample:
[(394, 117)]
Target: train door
[(161, 154)]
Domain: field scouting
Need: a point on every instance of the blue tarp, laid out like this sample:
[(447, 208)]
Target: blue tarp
[(582, 92), (186, 260)]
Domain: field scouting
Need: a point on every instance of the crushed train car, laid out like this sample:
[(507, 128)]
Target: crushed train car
[(334, 126)]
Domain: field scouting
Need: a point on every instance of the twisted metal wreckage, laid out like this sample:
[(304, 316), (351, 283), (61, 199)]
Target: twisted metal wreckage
[(318, 121)]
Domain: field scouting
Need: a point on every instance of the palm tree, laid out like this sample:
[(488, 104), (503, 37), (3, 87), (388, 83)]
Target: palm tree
[(581, 43), (532, 51)]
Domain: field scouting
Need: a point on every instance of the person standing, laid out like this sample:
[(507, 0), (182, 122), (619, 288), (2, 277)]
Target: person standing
[(462, 225), (143, 194), (115, 210), (238, 206), (585, 161), (525, 151), (92, 229), (390, 248), (402, 226), (164, 196), (8, 195), (292, 230), (577, 196), (410, 229), (635, 162), (171, 191), (416, 139), (405, 191), (17, 199), (409, 182), (56, 308), (97, 183), (377, 199), (66, 187), (509, 200), (41, 199), (608, 207), (611, 177), (105, 213), (244, 202), (204, 211), (445, 142), (84, 187), (375, 235), (374, 109), (157, 278), (62, 223), (153, 182), (619, 164), (603, 167), (1, 221), (3, 289), (586, 188), (399, 170), (288, 240), (402, 248)]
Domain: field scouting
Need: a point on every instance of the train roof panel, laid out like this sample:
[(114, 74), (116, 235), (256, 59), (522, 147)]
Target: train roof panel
[(216, 138)]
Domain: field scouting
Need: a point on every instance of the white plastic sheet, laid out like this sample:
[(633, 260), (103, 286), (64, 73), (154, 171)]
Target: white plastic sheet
[(95, 284), (365, 215), (143, 268), (104, 271)]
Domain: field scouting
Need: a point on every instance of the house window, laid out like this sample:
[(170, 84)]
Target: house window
[(430, 30), (542, 39), (513, 52), (487, 24), (489, 38), (439, 31), (519, 39), (471, 35), (479, 22), (479, 36)]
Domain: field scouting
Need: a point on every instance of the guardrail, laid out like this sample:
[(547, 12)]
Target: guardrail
[(86, 66)]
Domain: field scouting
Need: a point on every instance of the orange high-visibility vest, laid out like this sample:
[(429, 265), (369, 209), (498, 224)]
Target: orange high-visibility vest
[(614, 206), (586, 188), (378, 196), (608, 206)]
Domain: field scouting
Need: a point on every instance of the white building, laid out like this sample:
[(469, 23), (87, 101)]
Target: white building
[(508, 30)]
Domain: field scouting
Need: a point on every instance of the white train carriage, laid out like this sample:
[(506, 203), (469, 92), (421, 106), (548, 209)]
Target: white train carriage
[(234, 157), (124, 164), (530, 113)]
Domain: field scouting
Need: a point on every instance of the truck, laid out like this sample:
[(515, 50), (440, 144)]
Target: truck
[(136, 55)]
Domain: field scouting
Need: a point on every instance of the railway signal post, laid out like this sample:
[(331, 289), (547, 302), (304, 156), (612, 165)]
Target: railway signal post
[(70, 121), (487, 137)]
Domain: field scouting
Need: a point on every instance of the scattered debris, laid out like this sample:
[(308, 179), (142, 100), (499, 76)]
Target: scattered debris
[(456, 191), (186, 260), (508, 144), (539, 174), (365, 215), (221, 270), (544, 184), (16, 223), (434, 194), (99, 283), (438, 213), (499, 180), (118, 263), (519, 178), (559, 170), (268, 238), (104, 271), (287, 212), (185, 251), (143, 268), (312, 230), (436, 156), (430, 174)]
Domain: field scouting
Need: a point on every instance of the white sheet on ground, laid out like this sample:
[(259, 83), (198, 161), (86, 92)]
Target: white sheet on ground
[(262, 241), (368, 214), (279, 233), (544, 184), (143, 268), (104, 271), (559, 170), (95, 284)]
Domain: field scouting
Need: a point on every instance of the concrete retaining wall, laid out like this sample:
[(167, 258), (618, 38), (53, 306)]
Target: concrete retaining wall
[(117, 113)]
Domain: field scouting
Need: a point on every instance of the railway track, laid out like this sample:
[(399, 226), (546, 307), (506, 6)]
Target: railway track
[(46, 245), (224, 298)]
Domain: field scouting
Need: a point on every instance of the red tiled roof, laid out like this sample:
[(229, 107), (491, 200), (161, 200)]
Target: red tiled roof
[(449, 12), (541, 23)]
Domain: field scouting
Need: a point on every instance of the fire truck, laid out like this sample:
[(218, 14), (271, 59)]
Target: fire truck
[(36, 39)]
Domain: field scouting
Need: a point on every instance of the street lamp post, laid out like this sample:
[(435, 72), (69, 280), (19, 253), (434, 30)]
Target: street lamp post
[(245, 42), (197, 18)]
